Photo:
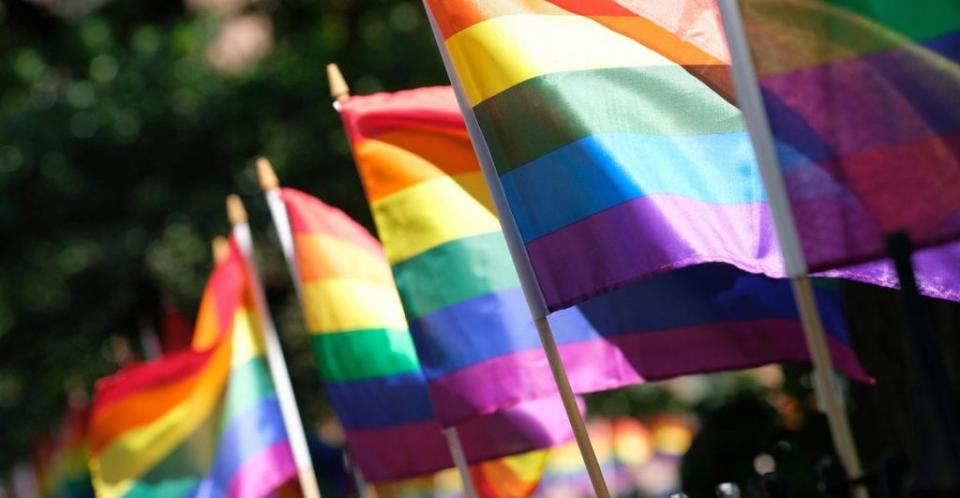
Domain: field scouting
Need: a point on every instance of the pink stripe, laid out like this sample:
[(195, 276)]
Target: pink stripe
[(602, 364), (264, 472)]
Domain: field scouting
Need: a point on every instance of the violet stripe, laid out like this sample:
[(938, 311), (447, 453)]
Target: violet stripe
[(637, 358), (654, 234), (539, 423), (397, 452), (264, 472), (650, 235)]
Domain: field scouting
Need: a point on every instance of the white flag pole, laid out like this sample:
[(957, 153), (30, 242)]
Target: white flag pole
[(460, 460), (281, 222), (278, 366), (528, 282), (751, 103)]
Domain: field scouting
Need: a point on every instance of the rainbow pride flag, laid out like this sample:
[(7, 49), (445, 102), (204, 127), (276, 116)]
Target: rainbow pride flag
[(201, 423), (612, 129), (514, 476), (862, 101), (369, 362), (469, 321)]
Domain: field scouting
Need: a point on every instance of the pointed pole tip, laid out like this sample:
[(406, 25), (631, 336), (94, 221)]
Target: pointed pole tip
[(266, 175), (339, 90), (236, 213), (221, 249)]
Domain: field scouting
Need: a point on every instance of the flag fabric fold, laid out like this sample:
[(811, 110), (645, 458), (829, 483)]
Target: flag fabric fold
[(861, 100), (204, 422), (612, 130), (472, 328), (369, 363)]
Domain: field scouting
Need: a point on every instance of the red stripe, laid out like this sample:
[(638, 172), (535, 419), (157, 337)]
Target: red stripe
[(309, 215), (142, 377), (423, 108)]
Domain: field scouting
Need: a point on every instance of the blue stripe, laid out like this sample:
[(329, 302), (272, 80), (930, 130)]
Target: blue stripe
[(382, 402), (252, 431), (485, 327), (703, 294), (602, 171), (498, 324)]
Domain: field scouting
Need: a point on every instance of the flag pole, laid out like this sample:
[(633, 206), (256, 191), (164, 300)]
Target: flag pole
[(270, 186), (460, 460), (521, 262), (751, 103), (278, 366)]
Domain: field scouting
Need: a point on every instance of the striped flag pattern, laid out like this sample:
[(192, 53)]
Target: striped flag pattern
[(201, 423), (468, 318), (369, 362), (862, 102), (612, 130)]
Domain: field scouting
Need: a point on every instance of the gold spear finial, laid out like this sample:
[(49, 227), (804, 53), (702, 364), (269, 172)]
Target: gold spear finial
[(236, 213), (339, 90), (266, 175)]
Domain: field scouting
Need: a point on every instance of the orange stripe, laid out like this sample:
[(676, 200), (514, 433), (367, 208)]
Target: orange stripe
[(704, 56), (110, 422), (400, 159), (322, 257), (453, 16)]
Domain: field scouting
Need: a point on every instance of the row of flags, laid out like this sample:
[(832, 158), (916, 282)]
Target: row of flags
[(609, 136)]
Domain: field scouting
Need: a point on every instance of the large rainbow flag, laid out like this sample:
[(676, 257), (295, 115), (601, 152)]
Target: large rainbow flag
[(862, 101), (611, 126), (472, 329), (201, 423), (369, 362)]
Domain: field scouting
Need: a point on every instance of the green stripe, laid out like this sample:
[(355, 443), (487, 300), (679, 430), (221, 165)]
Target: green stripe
[(364, 354), (545, 113), (454, 272), (916, 19), (249, 383), (186, 464), (173, 488)]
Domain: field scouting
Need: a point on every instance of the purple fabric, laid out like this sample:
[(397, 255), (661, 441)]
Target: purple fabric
[(636, 358), (880, 133), (601, 253), (264, 473), (392, 453)]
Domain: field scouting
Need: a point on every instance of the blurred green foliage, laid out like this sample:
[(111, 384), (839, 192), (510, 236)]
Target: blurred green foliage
[(119, 141)]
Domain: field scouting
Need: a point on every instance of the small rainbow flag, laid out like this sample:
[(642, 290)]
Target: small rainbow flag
[(369, 363), (201, 423)]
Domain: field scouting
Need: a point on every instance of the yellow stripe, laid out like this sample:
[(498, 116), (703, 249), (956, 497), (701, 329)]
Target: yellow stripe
[(428, 214), (321, 256), (499, 53), (120, 464), (474, 184), (247, 339), (343, 305)]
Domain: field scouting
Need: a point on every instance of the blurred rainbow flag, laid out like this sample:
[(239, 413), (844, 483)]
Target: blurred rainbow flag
[(201, 423), (369, 363), (861, 98)]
